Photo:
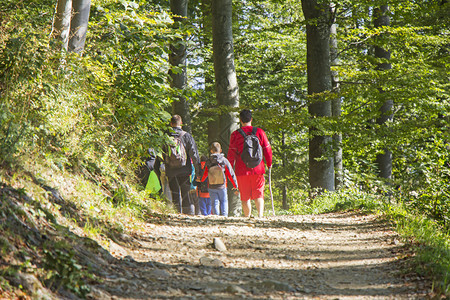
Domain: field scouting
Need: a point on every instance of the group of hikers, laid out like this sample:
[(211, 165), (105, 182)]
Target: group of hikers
[(243, 166)]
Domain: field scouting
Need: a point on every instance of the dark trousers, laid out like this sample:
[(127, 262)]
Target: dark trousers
[(181, 184)]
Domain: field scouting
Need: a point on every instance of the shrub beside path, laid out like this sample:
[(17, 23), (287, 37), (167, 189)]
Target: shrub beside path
[(330, 256)]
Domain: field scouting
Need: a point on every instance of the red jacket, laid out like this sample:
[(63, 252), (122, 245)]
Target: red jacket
[(235, 149)]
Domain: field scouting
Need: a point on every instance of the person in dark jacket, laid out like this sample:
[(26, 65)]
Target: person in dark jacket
[(217, 170), (179, 176), (149, 163)]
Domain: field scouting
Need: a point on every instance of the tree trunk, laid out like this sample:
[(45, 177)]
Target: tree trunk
[(227, 91), (177, 58), (213, 123), (61, 23), (384, 160), (213, 132), (284, 162), (336, 104), (321, 172), (285, 198), (79, 25)]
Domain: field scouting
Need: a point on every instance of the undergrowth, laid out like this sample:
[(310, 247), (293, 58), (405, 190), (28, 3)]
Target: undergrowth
[(431, 244), (51, 215), (342, 200)]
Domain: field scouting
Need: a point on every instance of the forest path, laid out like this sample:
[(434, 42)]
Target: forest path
[(329, 256)]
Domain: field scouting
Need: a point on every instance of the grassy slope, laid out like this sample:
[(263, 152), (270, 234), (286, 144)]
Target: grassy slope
[(54, 224)]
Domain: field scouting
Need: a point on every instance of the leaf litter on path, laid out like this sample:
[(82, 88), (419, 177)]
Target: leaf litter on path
[(329, 256)]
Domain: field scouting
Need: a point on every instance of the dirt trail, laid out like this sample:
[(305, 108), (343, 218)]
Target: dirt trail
[(331, 256)]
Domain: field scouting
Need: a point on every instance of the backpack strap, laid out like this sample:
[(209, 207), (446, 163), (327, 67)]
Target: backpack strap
[(176, 134), (182, 133), (180, 136), (242, 132), (254, 130)]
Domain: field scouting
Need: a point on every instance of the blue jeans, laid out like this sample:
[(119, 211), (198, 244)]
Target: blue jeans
[(219, 201), (205, 205)]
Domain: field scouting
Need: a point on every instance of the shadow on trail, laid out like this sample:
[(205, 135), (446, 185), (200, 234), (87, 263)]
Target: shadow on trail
[(323, 273), (195, 221), (153, 280)]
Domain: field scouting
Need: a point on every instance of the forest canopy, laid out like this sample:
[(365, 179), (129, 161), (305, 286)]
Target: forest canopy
[(105, 105)]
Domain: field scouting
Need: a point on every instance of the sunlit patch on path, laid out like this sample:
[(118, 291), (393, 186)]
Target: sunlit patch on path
[(331, 256)]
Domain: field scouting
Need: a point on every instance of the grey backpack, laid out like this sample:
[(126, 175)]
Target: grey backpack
[(252, 153)]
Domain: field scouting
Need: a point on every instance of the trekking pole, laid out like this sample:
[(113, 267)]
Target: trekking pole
[(270, 190)]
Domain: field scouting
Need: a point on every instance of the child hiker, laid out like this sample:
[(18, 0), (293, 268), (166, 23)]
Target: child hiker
[(204, 202), (217, 169)]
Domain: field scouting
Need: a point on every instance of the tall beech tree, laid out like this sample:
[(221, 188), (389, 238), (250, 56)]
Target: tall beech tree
[(79, 25), (61, 22), (177, 60), (70, 24), (227, 91), (336, 102), (318, 23), (213, 122), (383, 159)]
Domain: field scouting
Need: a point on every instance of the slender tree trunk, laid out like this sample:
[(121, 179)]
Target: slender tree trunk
[(285, 204), (79, 25), (321, 171), (384, 160), (61, 23), (177, 58), (336, 104), (227, 91), (285, 198)]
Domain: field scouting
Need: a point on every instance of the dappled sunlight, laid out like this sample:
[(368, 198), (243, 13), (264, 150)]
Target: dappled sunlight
[(264, 258), (338, 255)]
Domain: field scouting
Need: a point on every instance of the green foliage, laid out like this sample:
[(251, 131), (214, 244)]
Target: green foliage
[(418, 133), (64, 270), (103, 109), (5, 246), (130, 47), (343, 200), (431, 245), (426, 180)]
